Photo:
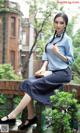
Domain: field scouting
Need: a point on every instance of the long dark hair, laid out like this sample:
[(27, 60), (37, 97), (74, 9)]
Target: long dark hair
[(65, 18)]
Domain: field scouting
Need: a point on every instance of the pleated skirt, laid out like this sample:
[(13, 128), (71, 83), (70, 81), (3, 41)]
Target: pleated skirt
[(41, 89)]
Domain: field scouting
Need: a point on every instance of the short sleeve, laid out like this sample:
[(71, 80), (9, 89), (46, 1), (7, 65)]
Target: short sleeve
[(69, 51)]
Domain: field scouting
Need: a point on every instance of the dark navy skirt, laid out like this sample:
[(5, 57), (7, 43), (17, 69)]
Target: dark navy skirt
[(42, 88)]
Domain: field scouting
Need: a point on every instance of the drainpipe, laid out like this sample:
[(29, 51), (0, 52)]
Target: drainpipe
[(4, 39), (4, 32)]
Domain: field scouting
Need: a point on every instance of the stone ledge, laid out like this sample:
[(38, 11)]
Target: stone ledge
[(13, 87), (10, 87)]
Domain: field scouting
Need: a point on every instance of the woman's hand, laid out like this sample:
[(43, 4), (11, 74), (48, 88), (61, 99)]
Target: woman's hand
[(55, 49), (40, 73)]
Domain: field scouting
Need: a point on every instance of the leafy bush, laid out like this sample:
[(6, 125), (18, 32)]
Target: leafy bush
[(64, 113), (7, 72), (2, 99)]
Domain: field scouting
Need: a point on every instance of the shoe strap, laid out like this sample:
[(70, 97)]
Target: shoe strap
[(7, 117)]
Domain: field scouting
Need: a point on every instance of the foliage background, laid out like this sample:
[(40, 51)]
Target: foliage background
[(7, 73)]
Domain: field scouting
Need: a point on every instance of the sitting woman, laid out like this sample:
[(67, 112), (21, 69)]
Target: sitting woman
[(55, 71)]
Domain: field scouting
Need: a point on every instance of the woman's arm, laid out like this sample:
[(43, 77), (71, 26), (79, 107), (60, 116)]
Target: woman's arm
[(44, 66), (68, 57), (42, 70), (60, 55)]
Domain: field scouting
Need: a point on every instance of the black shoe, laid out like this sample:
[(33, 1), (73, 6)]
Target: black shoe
[(24, 126), (8, 121)]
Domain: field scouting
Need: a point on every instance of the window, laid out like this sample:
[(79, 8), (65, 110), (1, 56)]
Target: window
[(12, 58), (13, 26)]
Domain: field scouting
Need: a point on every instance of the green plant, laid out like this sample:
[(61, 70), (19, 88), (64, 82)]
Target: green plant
[(64, 112), (2, 99), (7, 72)]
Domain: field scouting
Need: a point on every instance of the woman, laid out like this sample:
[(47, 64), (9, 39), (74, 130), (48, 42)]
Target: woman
[(54, 72)]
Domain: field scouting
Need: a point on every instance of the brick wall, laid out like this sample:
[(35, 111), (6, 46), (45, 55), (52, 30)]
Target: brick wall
[(13, 87), (12, 42)]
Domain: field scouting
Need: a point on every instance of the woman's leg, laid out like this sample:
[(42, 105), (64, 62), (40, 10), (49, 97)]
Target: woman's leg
[(30, 108), (23, 103), (31, 114)]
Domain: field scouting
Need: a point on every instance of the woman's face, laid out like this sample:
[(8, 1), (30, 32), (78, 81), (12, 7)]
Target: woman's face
[(59, 25)]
